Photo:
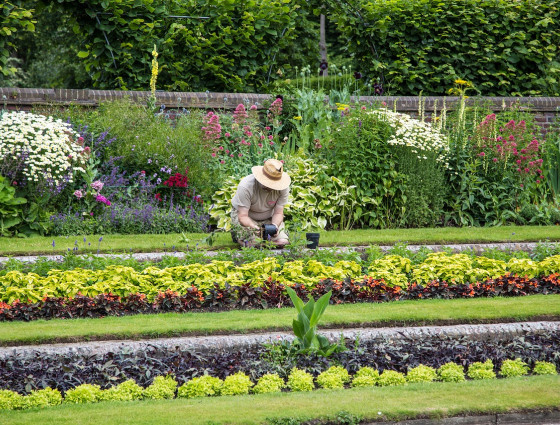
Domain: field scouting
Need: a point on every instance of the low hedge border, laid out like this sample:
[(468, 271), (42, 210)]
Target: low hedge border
[(336, 377), (270, 294)]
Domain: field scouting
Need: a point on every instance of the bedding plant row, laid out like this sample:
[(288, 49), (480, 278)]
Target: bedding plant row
[(36, 369), (221, 284), (336, 377)]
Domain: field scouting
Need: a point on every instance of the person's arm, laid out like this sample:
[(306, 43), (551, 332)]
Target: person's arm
[(245, 220), (277, 216)]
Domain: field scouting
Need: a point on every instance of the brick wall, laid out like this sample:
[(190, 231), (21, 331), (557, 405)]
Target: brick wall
[(544, 108)]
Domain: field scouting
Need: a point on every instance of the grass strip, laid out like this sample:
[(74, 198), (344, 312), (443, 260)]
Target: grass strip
[(397, 313), (433, 400), (171, 242)]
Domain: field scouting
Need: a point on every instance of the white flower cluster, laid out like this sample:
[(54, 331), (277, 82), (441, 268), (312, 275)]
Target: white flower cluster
[(419, 136), (49, 149)]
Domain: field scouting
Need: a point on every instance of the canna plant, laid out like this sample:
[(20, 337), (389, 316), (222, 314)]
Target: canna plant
[(305, 326)]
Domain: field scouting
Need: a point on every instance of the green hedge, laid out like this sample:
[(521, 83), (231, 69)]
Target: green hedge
[(505, 48), (235, 49)]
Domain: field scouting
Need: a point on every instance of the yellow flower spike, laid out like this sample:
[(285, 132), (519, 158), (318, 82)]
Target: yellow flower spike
[(460, 82), (298, 118)]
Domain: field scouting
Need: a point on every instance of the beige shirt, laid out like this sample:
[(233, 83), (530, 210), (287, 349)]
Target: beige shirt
[(251, 194)]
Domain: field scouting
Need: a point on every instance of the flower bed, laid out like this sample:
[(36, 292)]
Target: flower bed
[(118, 290), (336, 377), (269, 294), (38, 370)]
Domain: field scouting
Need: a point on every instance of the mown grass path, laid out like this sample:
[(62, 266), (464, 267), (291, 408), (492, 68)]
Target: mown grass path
[(172, 242), (397, 313)]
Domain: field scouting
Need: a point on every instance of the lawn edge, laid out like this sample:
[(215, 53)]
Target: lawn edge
[(327, 326)]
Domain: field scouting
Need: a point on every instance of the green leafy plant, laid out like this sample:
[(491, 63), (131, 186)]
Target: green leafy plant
[(391, 378), (236, 384), (10, 208), (451, 372), (305, 326), (125, 391), (163, 387), (300, 380), (201, 386), (365, 377), (11, 400), (43, 398), (332, 378), (479, 370), (544, 368), (421, 373), (513, 368), (269, 383), (85, 393)]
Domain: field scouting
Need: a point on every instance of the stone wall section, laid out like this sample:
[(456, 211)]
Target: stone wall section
[(546, 109)]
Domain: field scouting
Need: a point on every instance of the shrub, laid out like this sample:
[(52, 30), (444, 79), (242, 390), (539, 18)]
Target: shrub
[(421, 373), (202, 386), (391, 378), (513, 368), (365, 377), (159, 147), (238, 383), (269, 383), (39, 152), (163, 387), (334, 377), (43, 398), (10, 400), (125, 391), (359, 154), (479, 370), (544, 368), (85, 393), (451, 372), (300, 380)]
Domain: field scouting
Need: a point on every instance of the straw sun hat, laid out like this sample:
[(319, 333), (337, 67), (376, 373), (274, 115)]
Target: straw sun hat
[(272, 175)]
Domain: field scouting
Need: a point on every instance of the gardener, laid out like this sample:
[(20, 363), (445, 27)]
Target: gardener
[(260, 200)]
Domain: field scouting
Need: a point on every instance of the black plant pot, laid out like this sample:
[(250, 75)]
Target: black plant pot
[(312, 240)]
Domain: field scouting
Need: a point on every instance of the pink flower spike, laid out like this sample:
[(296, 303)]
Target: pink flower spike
[(271, 143), (240, 155), (213, 154), (227, 134), (495, 159), (270, 137), (253, 107)]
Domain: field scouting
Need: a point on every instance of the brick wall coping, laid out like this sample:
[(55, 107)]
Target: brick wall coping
[(24, 98)]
